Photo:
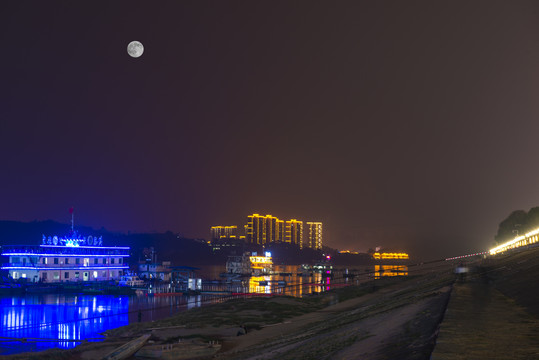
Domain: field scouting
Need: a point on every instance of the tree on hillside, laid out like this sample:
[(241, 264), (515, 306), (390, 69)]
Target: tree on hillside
[(532, 220), (515, 223)]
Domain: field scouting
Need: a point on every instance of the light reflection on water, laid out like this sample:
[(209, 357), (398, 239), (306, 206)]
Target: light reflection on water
[(77, 317), (390, 270), (285, 281), (63, 317)]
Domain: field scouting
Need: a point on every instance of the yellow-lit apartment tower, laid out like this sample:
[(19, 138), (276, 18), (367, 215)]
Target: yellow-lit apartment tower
[(264, 229), (314, 241), (224, 232), (294, 232)]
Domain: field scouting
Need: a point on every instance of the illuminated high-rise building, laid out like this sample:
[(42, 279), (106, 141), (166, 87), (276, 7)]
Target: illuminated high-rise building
[(224, 232), (314, 240), (294, 232), (261, 230), (280, 233), (252, 229)]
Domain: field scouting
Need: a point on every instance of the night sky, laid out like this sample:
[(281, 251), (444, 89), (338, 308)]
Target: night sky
[(410, 125)]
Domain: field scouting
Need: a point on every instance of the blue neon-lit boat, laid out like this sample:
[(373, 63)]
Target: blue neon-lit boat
[(72, 259)]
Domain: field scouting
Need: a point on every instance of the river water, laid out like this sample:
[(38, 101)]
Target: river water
[(66, 319)]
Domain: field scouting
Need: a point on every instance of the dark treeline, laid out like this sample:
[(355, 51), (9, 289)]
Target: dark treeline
[(518, 222), (168, 246)]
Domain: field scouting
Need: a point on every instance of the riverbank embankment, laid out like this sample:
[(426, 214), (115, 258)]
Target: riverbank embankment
[(493, 313), (385, 318)]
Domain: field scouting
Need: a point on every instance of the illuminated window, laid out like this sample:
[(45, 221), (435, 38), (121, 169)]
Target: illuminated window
[(76, 274), (95, 274), (56, 275), (23, 275), (44, 260)]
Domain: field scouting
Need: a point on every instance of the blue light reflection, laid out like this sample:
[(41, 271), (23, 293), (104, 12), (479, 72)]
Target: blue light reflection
[(62, 317)]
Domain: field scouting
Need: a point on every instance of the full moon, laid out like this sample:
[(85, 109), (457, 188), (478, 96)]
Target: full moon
[(135, 49)]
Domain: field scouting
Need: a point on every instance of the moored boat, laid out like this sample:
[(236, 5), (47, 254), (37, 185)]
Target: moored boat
[(248, 265), (131, 281)]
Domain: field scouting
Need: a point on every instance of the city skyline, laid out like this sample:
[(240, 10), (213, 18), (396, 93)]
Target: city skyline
[(268, 229)]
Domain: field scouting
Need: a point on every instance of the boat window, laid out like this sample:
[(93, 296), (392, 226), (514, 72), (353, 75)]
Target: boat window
[(67, 261), (95, 261), (120, 260), (66, 274), (55, 261), (112, 261), (77, 261)]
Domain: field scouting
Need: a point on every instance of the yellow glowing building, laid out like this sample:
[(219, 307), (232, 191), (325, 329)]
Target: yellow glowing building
[(224, 232), (263, 229), (314, 241), (294, 232), (280, 234), (390, 256)]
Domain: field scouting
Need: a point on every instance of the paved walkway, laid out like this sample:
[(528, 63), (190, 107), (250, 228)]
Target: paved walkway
[(482, 323)]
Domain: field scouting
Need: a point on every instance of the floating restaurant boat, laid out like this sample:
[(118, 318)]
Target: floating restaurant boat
[(248, 264), (66, 259)]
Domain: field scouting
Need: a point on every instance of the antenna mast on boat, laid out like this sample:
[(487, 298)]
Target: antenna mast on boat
[(72, 220)]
